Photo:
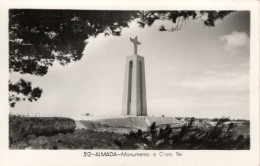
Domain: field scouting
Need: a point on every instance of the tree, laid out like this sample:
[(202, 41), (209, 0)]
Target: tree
[(37, 38), (25, 89)]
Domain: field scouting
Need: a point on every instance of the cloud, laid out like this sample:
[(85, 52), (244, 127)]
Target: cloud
[(235, 42), (218, 82), (232, 79)]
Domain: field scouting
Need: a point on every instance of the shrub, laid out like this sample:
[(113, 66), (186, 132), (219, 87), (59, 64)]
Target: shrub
[(79, 139), (188, 136), (22, 127)]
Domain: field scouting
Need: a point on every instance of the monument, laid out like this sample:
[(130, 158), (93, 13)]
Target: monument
[(134, 94)]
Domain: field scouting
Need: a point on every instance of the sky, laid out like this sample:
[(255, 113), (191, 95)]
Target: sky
[(194, 72)]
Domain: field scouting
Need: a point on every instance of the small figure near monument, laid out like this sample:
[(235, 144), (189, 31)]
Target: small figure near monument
[(134, 94)]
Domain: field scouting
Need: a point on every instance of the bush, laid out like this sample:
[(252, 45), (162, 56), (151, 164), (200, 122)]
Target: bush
[(22, 127), (219, 137), (79, 139)]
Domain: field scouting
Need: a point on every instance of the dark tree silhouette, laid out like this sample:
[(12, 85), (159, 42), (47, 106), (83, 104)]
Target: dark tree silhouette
[(37, 38), (179, 18), (22, 90)]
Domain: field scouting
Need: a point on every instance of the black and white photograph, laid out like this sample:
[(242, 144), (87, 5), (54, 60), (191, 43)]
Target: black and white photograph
[(136, 81)]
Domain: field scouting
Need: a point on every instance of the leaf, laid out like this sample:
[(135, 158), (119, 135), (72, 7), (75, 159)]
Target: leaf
[(162, 28)]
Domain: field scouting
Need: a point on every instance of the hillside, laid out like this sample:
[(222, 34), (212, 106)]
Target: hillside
[(124, 124)]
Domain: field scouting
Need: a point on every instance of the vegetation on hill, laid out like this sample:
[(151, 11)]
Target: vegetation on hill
[(21, 128), (218, 137), (59, 133), (79, 139)]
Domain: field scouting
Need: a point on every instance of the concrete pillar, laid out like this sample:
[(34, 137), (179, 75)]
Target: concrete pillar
[(134, 94)]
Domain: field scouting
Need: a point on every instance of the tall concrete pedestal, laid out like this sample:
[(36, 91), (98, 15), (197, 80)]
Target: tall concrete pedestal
[(134, 95)]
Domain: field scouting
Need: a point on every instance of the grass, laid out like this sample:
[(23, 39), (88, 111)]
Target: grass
[(79, 139), (21, 128)]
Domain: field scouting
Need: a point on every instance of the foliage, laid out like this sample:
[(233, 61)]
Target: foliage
[(79, 139), (37, 38), (179, 18), (22, 127), (215, 120), (25, 88), (131, 141), (218, 137)]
